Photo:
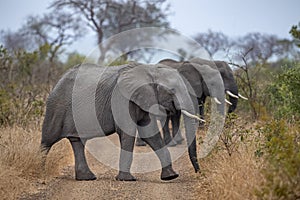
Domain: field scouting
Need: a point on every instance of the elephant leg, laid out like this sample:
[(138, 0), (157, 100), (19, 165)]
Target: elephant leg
[(82, 170), (156, 143), (176, 128), (166, 132), (126, 155), (234, 102)]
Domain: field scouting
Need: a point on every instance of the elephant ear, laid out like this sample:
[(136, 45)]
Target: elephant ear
[(194, 78), (212, 79), (222, 68), (136, 85)]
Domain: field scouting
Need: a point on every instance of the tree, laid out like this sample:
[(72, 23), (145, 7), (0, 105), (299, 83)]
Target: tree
[(73, 59), (252, 55), (46, 34), (109, 17), (213, 42), (53, 31), (295, 32), (261, 48), (56, 29), (16, 40)]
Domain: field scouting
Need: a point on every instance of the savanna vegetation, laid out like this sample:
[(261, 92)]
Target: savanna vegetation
[(258, 155)]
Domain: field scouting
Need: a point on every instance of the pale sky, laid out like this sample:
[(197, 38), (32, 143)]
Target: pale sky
[(232, 17)]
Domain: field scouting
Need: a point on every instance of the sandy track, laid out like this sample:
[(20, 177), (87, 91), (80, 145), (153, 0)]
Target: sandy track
[(148, 185)]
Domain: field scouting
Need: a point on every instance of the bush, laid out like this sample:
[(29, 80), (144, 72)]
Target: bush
[(281, 151), (284, 93), (24, 84), (21, 105)]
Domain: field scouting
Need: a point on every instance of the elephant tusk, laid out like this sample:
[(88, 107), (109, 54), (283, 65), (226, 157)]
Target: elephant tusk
[(232, 95), (243, 97), (217, 100), (192, 116), (228, 102)]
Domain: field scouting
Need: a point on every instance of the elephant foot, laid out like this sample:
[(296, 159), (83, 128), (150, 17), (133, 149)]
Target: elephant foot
[(125, 176), (168, 174), (140, 142), (88, 176)]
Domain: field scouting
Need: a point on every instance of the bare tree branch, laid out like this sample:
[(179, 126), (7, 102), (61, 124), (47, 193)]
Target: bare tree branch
[(108, 17)]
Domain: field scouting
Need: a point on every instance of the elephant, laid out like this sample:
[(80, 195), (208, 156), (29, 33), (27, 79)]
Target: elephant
[(230, 85), (203, 81), (200, 80), (123, 99)]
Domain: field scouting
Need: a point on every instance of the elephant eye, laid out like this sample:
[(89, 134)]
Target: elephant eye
[(172, 91)]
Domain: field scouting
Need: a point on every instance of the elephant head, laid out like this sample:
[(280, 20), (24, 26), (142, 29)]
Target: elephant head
[(212, 84), (159, 90), (230, 85), (202, 79)]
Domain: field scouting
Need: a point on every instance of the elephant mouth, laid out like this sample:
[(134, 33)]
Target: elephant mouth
[(173, 109), (169, 109)]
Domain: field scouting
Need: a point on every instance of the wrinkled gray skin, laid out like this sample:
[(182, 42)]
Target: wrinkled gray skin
[(228, 80), (194, 72), (129, 86)]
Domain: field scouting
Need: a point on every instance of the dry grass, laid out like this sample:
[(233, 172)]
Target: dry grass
[(231, 177), (20, 161)]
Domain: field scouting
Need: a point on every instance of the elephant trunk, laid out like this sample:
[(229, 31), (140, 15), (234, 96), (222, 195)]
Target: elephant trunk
[(188, 104), (233, 98), (234, 102), (220, 105), (190, 129)]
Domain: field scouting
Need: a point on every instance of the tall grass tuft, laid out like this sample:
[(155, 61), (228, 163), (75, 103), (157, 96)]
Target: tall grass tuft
[(21, 161)]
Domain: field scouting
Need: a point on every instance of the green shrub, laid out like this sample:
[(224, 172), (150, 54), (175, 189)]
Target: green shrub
[(234, 133), (21, 107), (284, 93), (281, 151), (25, 81)]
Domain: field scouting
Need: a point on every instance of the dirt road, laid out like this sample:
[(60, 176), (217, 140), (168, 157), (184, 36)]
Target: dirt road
[(147, 186)]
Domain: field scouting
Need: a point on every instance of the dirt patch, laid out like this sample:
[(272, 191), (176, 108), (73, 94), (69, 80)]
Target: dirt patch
[(148, 185)]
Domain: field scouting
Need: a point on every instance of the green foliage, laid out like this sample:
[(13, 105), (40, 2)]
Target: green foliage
[(23, 85), (25, 61), (74, 59), (233, 134), (281, 150), (5, 59), (5, 105), (295, 32), (251, 82), (119, 61), (284, 93), (21, 107)]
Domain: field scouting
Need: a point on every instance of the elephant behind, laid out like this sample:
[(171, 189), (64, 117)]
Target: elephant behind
[(91, 101), (230, 85), (201, 89)]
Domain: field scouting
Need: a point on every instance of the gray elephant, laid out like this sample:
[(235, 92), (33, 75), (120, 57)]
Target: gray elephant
[(203, 81), (91, 101), (230, 85)]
